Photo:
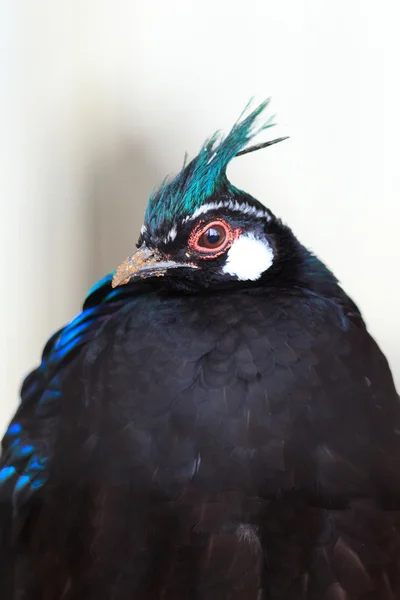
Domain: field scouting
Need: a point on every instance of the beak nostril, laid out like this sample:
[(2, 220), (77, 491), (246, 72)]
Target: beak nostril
[(144, 263)]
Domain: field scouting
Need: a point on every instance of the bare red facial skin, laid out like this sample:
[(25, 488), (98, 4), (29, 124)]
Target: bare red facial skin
[(231, 234)]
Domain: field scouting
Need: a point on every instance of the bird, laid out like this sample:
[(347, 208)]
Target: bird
[(216, 423)]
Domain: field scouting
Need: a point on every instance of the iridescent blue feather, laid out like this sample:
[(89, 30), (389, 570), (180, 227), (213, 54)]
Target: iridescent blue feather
[(28, 442)]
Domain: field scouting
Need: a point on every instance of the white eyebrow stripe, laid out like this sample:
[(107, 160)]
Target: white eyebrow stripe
[(143, 229), (244, 208), (171, 235)]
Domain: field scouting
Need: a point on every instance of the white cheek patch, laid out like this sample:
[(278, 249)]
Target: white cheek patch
[(248, 258)]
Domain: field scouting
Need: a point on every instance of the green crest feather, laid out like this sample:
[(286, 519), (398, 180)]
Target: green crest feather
[(205, 175)]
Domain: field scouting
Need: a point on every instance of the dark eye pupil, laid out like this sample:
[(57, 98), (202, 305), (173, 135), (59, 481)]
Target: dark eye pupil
[(213, 236)]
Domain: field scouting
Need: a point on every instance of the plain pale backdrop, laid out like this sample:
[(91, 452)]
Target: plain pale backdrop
[(100, 99)]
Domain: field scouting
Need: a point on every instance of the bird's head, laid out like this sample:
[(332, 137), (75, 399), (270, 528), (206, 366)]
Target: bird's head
[(199, 230)]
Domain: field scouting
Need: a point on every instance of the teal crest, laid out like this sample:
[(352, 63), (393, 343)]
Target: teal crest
[(205, 175)]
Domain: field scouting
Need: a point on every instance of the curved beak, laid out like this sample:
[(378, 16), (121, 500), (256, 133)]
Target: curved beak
[(144, 263)]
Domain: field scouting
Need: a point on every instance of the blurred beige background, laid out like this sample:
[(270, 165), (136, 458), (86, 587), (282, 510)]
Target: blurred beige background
[(100, 99)]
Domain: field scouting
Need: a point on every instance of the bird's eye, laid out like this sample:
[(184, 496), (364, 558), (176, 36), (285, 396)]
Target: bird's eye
[(213, 237)]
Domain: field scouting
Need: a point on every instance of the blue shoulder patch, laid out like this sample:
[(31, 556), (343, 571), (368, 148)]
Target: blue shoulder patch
[(28, 442)]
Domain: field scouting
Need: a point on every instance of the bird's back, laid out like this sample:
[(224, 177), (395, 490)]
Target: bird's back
[(223, 446)]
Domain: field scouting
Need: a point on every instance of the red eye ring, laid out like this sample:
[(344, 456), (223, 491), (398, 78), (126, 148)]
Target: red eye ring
[(230, 235)]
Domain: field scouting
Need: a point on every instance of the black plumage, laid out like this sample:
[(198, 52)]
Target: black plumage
[(194, 434)]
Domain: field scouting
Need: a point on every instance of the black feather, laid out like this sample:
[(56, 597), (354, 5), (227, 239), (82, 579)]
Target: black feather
[(263, 145), (213, 439)]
